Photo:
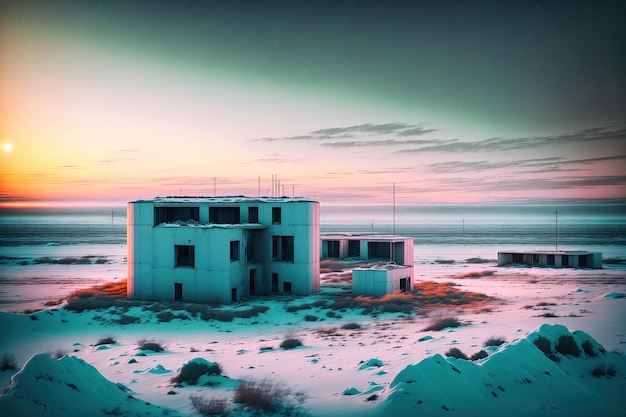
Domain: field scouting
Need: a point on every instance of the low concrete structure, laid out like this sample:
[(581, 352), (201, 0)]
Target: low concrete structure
[(381, 279), (386, 248), (557, 259)]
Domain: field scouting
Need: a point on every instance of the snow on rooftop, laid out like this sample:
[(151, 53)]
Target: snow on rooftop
[(226, 199)]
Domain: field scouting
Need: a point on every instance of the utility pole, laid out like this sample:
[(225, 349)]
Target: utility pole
[(556, 229)]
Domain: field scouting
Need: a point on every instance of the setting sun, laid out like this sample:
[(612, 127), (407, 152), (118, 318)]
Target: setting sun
[(7, 147)]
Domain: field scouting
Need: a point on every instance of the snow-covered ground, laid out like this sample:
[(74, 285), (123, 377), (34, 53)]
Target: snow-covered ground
[(388, 366)]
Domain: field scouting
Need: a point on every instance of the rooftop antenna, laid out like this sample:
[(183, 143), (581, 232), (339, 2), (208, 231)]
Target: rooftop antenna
[(556, 229), (394, 208)]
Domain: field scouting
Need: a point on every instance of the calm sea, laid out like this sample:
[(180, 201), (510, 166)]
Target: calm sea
[(45, 254)]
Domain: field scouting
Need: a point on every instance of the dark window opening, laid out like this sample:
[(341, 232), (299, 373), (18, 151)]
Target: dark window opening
[(378, 250), (252, 281), (184, 256), (333, 248), (535, 259), (282, 248), (178, 292), (404, 285), (172, 214), (224, 215), (253, 214), (234, 250), (565, 260), (286, 286), (276, 215), (274, 282), (354, 248), (398, 253), (233, 294), (550, 260), (518, 258)]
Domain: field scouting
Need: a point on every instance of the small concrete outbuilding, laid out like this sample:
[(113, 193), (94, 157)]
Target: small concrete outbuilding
[(381, 279), (557, 259)]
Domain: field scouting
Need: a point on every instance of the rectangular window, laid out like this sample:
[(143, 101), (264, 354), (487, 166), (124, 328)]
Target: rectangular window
[(234, 250), (354, 248), (178, 292), (282, 248), (550, 260), (224, 215), (378, 250), (173, 214), (286, 286), (184, 256), (274, 282), (564, 260), (333, 248), (253, 214), (276, 215)]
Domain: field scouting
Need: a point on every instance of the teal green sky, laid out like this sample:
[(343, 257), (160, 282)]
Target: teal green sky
[(455, 102)]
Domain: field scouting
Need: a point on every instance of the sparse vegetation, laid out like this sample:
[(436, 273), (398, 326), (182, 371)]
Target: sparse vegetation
[(601, 370), (191, 371), (152, 345), (209, 407), (456, 353), (351, 326), (588, 348), (566, 345), (167, 316), (494, 341), (267, 396), (474, 274), (225, 315), (290, 341), (106, 340), (481, 354), (297, 307), (442, 323), (127, 319), (310, 317), (479, 260), (58, 353), (543, 344), (7, 362)]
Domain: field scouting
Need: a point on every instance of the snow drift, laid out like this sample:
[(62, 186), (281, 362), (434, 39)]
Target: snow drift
[(68, 387), (518, 379)]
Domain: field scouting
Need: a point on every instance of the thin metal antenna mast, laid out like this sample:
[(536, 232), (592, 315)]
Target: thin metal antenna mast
[(556, 229), (394, 208)]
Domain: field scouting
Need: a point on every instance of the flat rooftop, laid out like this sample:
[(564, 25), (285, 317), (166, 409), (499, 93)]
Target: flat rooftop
[(350, 236), (381, 266), (225, 199), (548, 252)]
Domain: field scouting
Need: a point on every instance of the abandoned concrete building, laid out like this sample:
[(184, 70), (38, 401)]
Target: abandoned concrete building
[(391, 256), (220, 249), (555, 259)]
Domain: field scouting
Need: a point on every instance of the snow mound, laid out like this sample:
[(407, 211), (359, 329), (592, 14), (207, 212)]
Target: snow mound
[(67, 387), (516, 380), (615, 295), (371, 363)]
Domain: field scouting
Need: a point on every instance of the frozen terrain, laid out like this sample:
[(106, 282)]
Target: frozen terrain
[(387, 365)]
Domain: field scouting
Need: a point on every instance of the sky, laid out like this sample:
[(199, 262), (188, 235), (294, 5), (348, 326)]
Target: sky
[(447, 102)]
